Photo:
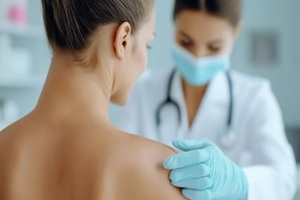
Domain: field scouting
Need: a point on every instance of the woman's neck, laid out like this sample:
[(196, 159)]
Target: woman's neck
[(73, 93), (193, 98)]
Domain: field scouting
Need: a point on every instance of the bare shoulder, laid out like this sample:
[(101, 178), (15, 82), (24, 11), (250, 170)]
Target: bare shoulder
[(8, 155), (152, 179), (13, 139), (7, 143), (12, 136)]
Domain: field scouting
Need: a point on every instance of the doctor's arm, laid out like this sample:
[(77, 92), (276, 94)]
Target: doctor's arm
[(273, 173), (204, 172)]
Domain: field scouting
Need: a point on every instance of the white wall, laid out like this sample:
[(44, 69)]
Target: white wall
[(26, 98), (281, 17), (159, 56)]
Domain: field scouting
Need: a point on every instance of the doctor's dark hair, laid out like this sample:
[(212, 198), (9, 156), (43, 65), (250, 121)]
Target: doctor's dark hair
[(69, 24), (231, 10)]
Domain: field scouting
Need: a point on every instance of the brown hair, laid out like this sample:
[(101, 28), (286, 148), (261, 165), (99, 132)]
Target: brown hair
[(70, 23), (231, 10)]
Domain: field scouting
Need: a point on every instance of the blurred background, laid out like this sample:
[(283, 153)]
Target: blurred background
[(24, 57), (269, 46)]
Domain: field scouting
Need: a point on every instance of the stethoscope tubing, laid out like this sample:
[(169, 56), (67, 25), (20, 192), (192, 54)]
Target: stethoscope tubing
[(170, 101)]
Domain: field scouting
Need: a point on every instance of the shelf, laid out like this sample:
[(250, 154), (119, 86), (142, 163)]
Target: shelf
[(33, 81), (33, 32)]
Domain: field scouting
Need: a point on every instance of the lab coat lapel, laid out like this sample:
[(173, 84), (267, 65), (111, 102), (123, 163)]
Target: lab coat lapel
[(212, 116)]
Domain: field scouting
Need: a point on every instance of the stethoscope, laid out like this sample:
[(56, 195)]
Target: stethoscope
[(227, 139)]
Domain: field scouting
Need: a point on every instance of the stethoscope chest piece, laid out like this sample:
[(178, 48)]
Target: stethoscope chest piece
[(228, 139)]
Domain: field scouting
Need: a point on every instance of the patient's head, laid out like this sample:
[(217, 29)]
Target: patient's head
[(113, 34)]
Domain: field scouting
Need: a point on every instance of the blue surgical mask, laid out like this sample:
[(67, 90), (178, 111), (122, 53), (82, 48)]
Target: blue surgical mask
[(198, 71)]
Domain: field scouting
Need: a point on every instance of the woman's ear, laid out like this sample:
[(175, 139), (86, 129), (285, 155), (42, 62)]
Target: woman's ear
[(122, 38)]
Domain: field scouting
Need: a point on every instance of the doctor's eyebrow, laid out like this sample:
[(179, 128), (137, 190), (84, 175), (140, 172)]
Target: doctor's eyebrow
[(186, 35), (216, 42)]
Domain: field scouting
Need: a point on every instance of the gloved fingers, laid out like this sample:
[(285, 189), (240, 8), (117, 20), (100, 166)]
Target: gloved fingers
[(194, 184), (192, 144), (192, 172), (196, 194), (184, 159)]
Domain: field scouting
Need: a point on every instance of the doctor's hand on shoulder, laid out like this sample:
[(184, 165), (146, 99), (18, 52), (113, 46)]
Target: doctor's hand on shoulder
[(204, 172)]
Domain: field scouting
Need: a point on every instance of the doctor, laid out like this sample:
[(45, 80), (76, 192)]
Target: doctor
[(245, 154)]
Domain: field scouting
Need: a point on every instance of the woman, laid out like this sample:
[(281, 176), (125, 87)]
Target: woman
[(66, 148), (246, 154)]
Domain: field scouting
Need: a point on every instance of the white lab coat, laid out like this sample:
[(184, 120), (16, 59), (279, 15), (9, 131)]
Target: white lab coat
[(261, 150)]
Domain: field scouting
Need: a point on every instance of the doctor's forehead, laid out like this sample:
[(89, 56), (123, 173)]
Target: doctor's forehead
[(199, 27)]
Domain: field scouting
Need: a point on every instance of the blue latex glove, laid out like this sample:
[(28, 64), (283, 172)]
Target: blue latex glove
[(204, 172)]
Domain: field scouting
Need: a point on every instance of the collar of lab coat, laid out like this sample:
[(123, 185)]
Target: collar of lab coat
[(213, 112)]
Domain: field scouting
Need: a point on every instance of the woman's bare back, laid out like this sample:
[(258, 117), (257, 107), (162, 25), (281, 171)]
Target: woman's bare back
[(87, 162)]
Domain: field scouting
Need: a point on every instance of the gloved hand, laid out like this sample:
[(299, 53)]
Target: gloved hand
[(204, 172)]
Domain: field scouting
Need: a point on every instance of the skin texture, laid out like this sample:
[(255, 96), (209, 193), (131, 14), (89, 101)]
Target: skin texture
[(203, 35), (67, 149)]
